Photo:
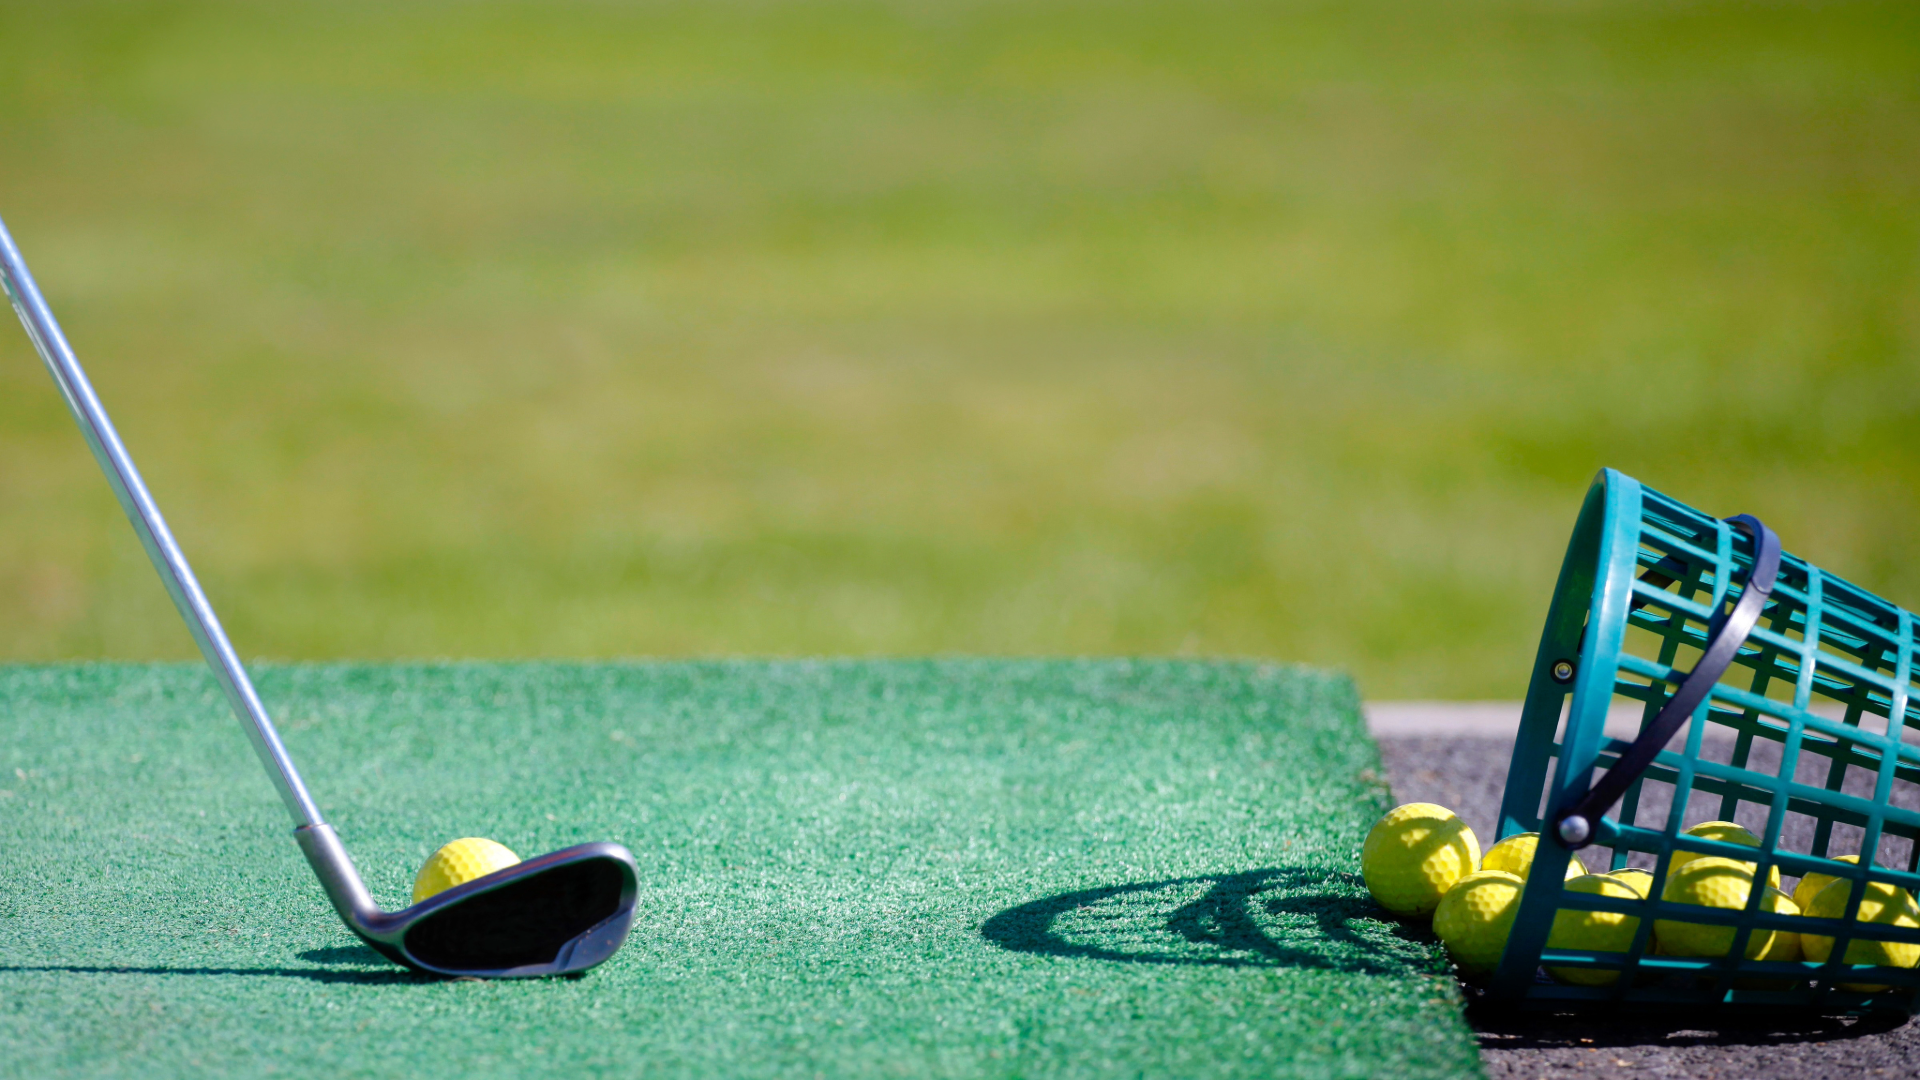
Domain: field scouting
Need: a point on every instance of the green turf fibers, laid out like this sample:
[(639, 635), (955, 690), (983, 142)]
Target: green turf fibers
[(948, 868)]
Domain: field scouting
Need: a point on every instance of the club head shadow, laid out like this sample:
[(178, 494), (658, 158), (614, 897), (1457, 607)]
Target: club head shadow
[(556, 914)]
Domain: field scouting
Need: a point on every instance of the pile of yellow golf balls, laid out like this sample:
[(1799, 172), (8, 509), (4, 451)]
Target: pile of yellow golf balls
[(1421, 861)]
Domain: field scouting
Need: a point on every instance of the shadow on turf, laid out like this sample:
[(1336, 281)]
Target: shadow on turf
[(1284, 917), (346, 954), (359, 956)]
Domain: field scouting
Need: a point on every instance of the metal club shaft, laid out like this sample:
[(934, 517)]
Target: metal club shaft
[(152, 529)]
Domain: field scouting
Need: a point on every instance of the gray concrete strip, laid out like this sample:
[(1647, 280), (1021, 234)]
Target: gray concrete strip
[(1470, 719), (1499, 719)]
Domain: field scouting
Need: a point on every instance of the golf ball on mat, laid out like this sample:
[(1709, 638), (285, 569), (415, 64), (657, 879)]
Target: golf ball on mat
[(1414, 855), (459, 862)]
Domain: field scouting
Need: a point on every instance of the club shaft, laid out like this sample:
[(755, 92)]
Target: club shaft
[(152, 529)]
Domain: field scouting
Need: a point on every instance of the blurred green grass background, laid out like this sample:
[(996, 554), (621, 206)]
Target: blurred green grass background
[(1283, 330)]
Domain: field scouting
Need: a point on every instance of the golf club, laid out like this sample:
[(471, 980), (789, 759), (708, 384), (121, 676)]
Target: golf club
[(560, 913)]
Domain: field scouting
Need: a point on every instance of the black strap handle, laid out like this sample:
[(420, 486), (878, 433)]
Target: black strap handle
[(1726, 632)]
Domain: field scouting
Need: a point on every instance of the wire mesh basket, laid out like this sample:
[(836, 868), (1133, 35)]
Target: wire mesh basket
[(1794, 690)]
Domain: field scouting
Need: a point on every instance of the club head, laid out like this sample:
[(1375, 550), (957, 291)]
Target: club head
[(560, 913), (557, 914)]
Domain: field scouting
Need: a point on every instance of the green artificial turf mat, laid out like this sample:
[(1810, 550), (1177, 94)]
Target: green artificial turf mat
[(940, 868)]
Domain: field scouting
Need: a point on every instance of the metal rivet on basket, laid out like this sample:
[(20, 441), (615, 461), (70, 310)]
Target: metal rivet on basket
[(1573, 829), (1563, 671)]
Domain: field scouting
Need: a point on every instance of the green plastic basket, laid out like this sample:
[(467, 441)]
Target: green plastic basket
[(1793, 688)]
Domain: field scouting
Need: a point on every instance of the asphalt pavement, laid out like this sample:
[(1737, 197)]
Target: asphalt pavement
[(1456, 755)]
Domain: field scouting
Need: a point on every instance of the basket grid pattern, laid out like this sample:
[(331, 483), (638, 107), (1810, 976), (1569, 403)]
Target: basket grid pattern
[(1811, 740)]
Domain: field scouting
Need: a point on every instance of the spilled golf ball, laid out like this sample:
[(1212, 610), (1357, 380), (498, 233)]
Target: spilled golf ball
[(1414, 855)]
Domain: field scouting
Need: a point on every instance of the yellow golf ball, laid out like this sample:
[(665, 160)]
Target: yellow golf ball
[(1640, 881), (1475, 917), (1709, 882), (1596, 931), (1726, 832), (459, 862), (1515, 856), (1881, 905), (1786, 945), (1784, 949), (1414, 855), (1811, 885)]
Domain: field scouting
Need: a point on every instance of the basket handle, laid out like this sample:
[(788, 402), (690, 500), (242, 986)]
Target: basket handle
[(1726, 632)]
